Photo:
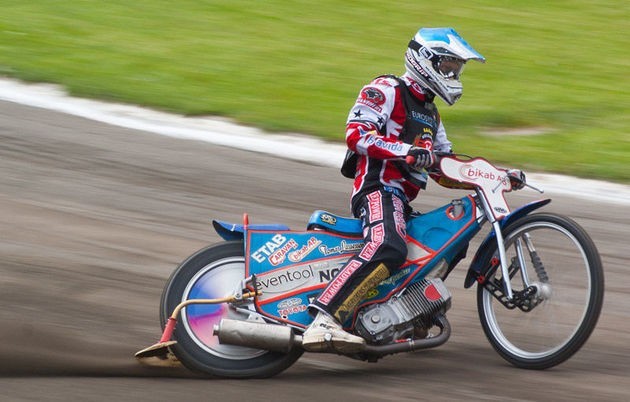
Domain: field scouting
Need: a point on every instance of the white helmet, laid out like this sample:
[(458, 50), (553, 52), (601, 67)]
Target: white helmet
[(435, 58)]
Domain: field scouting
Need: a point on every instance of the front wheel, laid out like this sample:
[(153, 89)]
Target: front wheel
[(558, 283), (215, 272)]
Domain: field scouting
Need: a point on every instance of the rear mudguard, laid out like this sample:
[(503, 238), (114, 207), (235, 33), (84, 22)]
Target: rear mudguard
[(233, 231), (478, 266)]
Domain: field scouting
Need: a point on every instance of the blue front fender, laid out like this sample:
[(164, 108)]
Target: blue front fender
[(476, 266)]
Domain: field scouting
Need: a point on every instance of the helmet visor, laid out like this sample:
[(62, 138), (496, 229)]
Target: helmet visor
[(450, 67)]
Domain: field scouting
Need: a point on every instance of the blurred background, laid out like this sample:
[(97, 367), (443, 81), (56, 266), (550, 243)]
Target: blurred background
[(95, 217), (553, 95)]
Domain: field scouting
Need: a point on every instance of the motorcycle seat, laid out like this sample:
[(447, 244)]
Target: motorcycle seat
[(322, 220)]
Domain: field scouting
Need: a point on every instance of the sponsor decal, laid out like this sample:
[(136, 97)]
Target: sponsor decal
[(358, 294), (424, 140), (333, 287), (371, 293), (327, 272), (294, 277), (371, 105), (286, 279), (294, 301), (396, 277), (329, 219), (383, 81), (416, 66), (373, 95), (473, 173), (501, 210), (372, 98), (291, 306), (305, 250), (328, 275), (265, 251), (399, 218), (382, 144), (343, 248), (375, 206), (285, 312), (377, 235), (278, 256), (416, 87), (423, 118)]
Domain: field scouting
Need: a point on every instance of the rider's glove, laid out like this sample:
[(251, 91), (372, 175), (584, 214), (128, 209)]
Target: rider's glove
[(420, 158), (517, 178)]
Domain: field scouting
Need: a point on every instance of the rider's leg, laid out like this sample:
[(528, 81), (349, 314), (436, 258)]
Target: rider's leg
[(384, 251)]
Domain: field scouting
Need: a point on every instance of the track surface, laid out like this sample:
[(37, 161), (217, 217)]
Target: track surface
[(94, 219)]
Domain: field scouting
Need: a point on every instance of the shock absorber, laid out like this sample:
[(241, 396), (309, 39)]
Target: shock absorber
[(536, 260)]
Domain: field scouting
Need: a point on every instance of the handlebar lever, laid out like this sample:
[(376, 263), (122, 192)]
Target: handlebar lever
[(534, 188)]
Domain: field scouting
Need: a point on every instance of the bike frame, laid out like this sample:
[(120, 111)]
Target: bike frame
[(290, 268)]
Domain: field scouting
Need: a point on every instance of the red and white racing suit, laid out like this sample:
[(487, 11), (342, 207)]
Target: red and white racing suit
[(373, 131), (384, 123)]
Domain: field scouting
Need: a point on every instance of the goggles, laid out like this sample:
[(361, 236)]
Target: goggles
[(449, 67)]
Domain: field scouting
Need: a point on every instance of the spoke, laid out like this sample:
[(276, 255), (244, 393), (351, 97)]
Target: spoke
[(539, 320)]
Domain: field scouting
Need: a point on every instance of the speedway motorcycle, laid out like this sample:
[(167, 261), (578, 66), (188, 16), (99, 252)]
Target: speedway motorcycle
[(238, 308)]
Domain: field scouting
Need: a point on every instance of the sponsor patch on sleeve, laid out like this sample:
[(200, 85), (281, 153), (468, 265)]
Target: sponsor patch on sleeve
[(372, 97)]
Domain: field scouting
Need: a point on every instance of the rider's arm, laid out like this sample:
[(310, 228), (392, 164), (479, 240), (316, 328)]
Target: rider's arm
[(377, 103), (441, 142), (365, 140)]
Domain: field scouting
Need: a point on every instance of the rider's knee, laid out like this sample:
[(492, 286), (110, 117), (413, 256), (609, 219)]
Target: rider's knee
[(393, 254)]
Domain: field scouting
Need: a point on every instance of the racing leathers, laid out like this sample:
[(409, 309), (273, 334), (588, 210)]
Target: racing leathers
[(390, 116)]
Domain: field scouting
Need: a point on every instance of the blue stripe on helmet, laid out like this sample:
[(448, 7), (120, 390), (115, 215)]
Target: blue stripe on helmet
[(442, 35)]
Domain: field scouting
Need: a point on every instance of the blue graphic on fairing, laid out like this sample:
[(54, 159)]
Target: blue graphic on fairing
[(292, 268)]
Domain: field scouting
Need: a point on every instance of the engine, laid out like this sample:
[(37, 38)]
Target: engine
[(398, 317)]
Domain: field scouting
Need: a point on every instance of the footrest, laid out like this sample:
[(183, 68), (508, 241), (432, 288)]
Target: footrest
[(158, 355)]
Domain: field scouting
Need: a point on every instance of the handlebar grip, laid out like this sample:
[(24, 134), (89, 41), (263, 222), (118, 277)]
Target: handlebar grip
[(410, 159)]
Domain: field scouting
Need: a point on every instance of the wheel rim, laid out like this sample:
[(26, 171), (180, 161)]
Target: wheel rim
[(216, 280), (556, 320)]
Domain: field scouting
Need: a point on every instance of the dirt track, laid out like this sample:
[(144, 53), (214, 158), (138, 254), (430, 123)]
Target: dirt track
[(95, 217)]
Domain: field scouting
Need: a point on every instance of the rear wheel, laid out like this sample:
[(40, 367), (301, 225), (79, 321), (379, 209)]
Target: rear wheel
[(558, 282), (215, 272)]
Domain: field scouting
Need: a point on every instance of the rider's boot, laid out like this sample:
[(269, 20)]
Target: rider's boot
[(326, 334)]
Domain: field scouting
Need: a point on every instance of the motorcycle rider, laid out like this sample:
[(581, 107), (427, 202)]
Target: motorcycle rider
[(393, 117)]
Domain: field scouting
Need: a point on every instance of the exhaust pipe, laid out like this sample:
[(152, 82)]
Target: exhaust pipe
[(280, 338), (276, 338), (378, 351)]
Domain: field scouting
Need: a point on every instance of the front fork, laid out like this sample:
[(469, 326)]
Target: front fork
[(507, 286), (533, 292)]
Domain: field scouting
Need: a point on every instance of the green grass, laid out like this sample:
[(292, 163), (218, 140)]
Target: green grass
[(557, 66)]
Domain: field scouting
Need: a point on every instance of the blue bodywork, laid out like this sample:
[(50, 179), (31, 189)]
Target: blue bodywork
[(293, 267), (334, 223)]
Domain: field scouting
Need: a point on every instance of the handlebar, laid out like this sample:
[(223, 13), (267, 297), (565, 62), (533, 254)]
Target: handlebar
[(410, 160)]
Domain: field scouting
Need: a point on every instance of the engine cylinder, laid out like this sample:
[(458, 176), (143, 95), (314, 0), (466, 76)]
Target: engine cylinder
[(396, 318)]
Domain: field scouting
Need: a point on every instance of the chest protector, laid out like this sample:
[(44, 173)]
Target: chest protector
[(420, 127)]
